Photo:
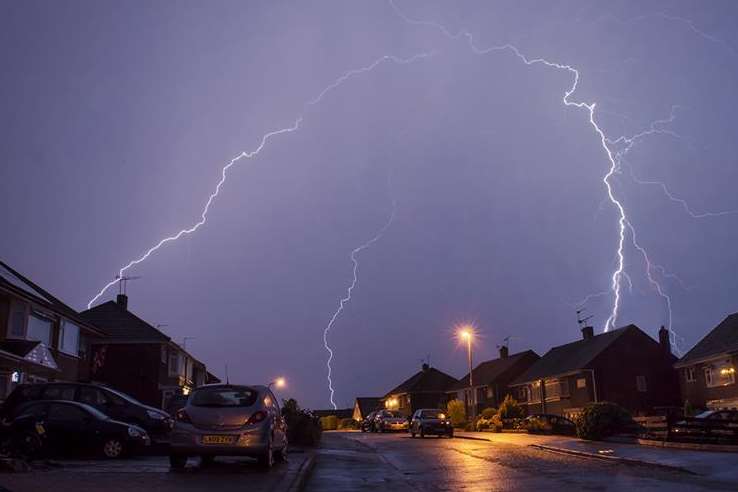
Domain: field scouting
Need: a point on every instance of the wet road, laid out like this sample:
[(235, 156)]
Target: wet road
[(357, 462)]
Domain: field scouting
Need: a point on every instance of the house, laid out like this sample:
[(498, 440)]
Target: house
[(363, 406), (425, 389), (41, 338), (624, 366), (491, 380), (707, 371), (140, 360)]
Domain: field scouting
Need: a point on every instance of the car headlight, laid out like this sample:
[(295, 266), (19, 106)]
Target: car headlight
[(135, 432), (153, 414)]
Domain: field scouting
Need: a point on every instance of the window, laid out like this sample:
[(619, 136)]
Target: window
[(163, 354), (556, 388), (173, 364), (641, 385), (581, 383), (689, 375), (720, 374), (227, 396), (59, 392), (17, 324), (39, 328), (69, 338), (92, 396), (66, 413), (535, 392), (188, 371), (521, 393)]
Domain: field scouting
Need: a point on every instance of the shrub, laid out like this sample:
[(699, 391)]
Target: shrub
[(509, 409), (483, 424), (489, 412), (303, 428), (535, 426), (600, 420), (329, 422), (469, 426), (456, 413), (496, 423), (348, 424)]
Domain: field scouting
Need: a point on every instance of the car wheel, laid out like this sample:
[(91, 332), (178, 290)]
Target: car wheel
[(177, 461), (113, 448), (266, 460)]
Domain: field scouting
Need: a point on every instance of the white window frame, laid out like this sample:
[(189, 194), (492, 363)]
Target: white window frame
[(708, 377), (173, 369)]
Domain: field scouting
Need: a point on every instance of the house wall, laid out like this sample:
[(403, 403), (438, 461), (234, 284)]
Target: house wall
[(427, 400), (130, 368), (636, 354), (698, 393), (577, 397)]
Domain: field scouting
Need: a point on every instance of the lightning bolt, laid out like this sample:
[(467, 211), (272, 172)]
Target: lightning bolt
[(347, 298), (253, 153), (613, 149)]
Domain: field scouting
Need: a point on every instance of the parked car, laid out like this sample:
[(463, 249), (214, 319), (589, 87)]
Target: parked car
[(390, 420), (65, 427), (367, 425), (550, 424), (430, 421), (118, 406), (229, 420), (710, 422)]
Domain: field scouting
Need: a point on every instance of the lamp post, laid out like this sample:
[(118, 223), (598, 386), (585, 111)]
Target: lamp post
[(279, 383), (466, 334)]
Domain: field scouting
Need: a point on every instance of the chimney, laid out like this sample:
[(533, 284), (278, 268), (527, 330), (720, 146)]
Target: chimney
[(504, 351), (122, 301), (664, 340), (587, 332), (425, 367)]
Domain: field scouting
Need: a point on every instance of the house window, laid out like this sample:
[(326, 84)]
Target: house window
[(173, 364), (163, 354), (39, 328), (581, 383), (641, 385), (689, 375), (720, 374), (17, 322), (535, 392), (556, 388), (69, 338), (521, 392)]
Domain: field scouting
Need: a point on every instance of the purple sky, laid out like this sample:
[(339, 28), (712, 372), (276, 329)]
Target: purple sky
[(117, 117)]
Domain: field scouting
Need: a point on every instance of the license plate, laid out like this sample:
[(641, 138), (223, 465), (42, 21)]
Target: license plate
[(218, 439)]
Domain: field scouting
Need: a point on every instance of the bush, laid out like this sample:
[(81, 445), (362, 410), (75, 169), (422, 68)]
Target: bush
[(535, 426), (488, 413), (482, 424), (600, 420), (348, 424), (509, 409), (302, 427), (469, 427), (496, 423), (329, 423), (456, 413)]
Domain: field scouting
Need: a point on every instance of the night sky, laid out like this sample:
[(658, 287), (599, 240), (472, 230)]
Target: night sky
[(117, 117)]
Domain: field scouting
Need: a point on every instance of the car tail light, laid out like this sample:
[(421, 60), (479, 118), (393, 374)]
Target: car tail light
[(181, 416), (256, 417)]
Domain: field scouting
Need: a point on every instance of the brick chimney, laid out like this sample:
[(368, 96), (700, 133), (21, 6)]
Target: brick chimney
[(425, 367), (664, 340), (587, 332), (504, 351), (122, 301)]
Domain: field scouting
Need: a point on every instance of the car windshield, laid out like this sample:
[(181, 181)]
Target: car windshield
[(432, 414), (704, 414), (124, 396), (393, 414), (224, 396)]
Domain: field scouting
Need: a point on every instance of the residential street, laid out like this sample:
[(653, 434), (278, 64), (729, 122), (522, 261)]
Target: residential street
[(356, 462)]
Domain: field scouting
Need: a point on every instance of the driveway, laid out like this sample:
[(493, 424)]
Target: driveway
[(361, 462)]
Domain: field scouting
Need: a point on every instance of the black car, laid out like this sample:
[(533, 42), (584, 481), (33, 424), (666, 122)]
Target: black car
[(68, 427), (427, 421), (367, 425), (544, 423), (112, 403)]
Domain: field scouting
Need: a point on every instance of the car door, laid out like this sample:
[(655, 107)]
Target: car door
[(70, 428)]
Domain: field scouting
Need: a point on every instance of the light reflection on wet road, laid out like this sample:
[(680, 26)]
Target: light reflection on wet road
[(357, 462)]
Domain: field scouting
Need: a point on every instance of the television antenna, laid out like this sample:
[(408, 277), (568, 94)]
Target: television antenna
[(123, 282), (582, 320)]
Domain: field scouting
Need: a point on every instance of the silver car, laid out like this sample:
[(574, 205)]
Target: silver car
[(229, 420)]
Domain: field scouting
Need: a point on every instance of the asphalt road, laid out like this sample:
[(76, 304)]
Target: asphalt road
[(357, 462)]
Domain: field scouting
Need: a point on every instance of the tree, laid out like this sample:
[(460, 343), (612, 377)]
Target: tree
[(510, 409), (456, 412)]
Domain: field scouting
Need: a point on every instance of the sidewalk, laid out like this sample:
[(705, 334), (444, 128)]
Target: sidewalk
[(714, 465)]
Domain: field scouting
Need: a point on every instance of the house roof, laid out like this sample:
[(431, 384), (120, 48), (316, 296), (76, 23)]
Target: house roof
[(426, 380), (487, 372), (121, 324), (15, 282), (722, 339), (368, 404), (572, 356)]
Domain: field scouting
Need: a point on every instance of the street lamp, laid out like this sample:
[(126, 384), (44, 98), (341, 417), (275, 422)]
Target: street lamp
[(279, 383), (466, 334)]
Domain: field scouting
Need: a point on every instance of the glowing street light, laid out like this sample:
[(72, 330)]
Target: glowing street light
[(466, 333), (278, 383)]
